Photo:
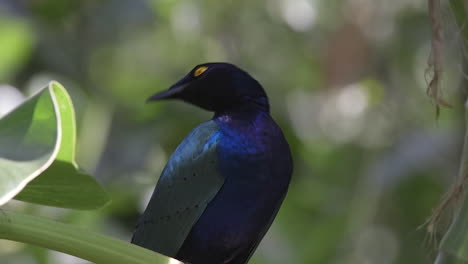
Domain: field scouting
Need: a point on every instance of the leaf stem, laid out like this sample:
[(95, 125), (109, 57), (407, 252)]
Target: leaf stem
[(78, 242)]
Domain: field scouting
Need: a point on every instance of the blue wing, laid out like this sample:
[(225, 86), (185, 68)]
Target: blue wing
[(187, 184)]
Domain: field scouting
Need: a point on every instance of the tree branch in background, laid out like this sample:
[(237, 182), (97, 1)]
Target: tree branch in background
[(435, 58)]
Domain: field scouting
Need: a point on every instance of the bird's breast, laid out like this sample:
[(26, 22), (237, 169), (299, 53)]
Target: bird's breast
[(252, 148)]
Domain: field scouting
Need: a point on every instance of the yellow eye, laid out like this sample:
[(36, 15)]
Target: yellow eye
[(200, 70)]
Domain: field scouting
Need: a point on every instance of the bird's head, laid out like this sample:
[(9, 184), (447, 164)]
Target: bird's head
[(217, 87)]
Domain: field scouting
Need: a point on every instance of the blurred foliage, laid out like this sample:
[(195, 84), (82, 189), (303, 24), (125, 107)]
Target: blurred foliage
[(16, 40), (346, 80)]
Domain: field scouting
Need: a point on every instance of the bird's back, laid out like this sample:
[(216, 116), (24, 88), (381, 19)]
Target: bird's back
[(187, 184)]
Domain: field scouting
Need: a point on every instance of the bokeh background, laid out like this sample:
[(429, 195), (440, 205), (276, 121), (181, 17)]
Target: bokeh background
[(347, 82)]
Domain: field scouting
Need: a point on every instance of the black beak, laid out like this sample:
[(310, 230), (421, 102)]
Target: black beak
[(172, 93)]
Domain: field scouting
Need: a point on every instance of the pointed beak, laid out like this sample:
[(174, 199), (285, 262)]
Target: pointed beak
[(171, 93)]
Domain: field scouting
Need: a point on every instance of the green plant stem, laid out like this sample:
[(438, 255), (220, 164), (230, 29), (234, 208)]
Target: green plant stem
[(443, 258), (454, 246), (68, 239)]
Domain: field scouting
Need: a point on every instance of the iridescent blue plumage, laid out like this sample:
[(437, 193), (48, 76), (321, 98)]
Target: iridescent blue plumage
[(224, 184)]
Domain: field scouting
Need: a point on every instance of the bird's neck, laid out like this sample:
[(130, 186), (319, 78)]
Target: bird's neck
[(239, 119), (249, 108)]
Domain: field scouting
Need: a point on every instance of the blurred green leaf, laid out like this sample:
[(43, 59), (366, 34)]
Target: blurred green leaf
[(38, 138), (54, 11), (16, 41)]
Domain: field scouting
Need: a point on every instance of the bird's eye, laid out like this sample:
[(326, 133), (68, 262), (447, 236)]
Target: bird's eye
[(200, 70)]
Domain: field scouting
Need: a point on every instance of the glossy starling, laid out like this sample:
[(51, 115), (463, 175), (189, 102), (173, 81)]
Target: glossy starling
[(222, 187)]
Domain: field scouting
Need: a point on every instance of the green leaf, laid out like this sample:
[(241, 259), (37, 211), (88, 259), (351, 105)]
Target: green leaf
[(38, 138)]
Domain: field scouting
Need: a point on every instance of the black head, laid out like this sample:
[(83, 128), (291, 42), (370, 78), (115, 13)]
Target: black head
[(218, 87)]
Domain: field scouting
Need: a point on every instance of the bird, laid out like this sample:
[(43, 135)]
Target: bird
[(222, 187)]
